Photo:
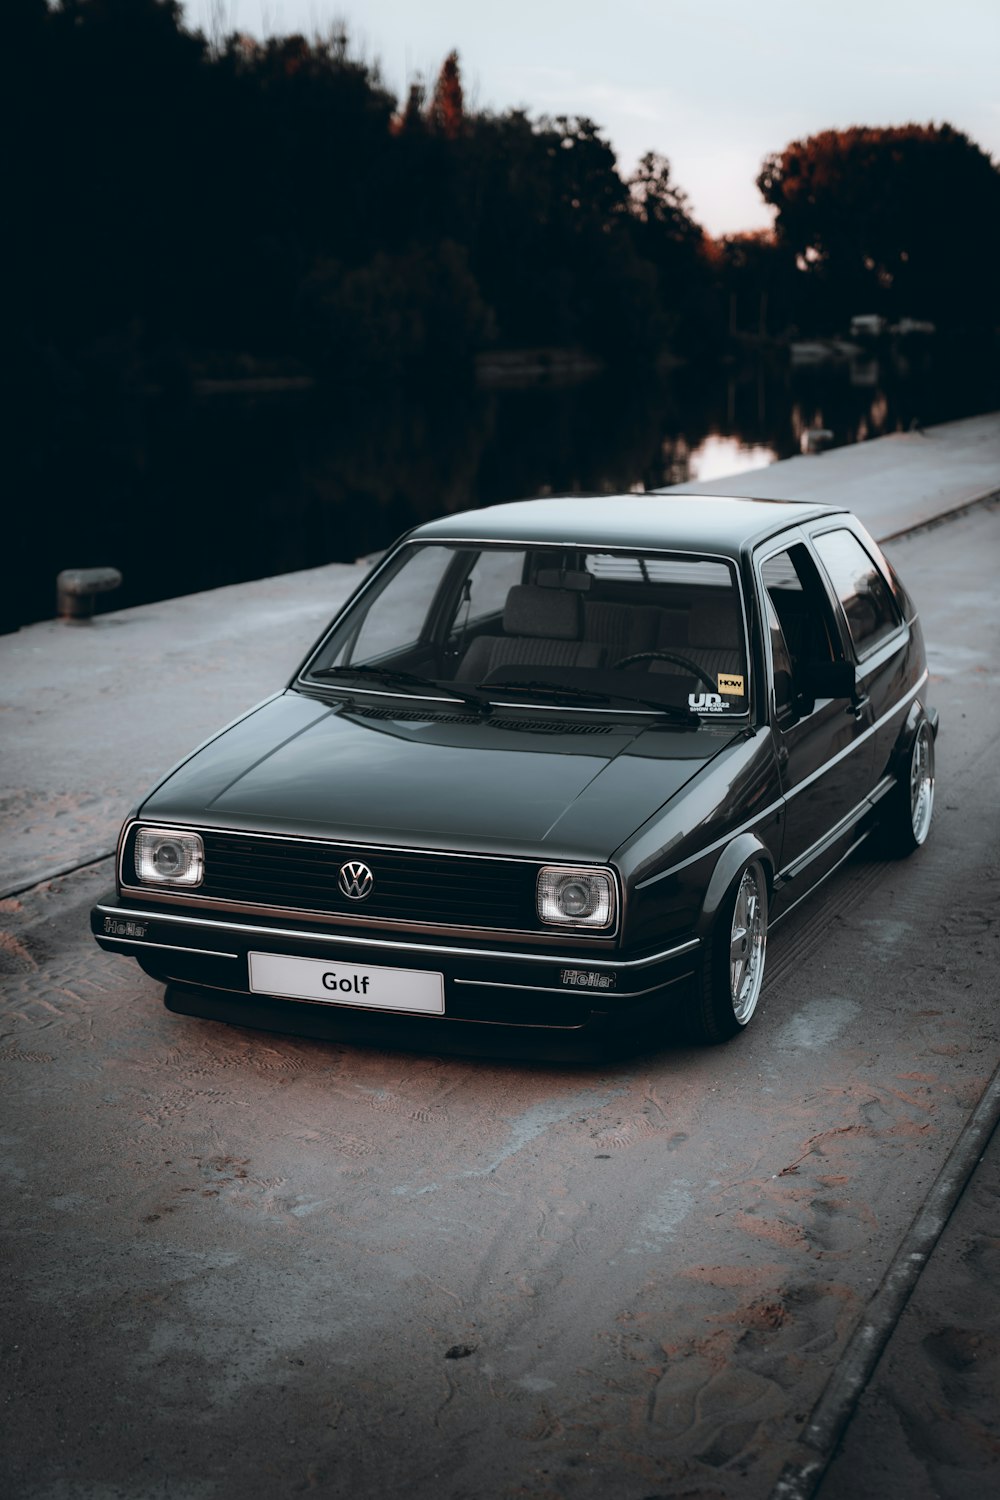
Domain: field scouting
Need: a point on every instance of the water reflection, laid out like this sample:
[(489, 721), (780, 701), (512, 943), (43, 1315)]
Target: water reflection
[(718, 456), (186, 494)]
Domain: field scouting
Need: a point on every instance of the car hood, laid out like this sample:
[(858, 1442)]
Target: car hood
[(560, 787)]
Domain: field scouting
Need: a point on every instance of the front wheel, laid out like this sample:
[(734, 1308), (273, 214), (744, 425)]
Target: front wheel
[(732, 971)]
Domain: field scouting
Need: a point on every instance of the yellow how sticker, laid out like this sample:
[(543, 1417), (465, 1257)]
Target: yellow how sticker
[(728, 683)]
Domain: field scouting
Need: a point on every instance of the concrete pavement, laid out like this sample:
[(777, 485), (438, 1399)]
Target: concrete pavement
[(91, 714)]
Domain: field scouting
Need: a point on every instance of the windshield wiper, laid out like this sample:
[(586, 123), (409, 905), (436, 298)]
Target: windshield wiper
[(672, 711), (406, 679), (586, 695), (538, 684)]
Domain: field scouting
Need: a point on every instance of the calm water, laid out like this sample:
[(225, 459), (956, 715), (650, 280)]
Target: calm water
[(190, 494)]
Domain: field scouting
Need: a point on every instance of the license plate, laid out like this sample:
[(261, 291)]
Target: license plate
[(330, 983)]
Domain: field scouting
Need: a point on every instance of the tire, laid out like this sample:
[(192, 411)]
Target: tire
[(910, 806), (732, 972)]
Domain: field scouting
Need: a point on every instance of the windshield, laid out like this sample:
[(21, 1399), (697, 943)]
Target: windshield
[(566, 626)]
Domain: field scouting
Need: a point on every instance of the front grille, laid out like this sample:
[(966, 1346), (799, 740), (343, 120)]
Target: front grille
[(408, 886)]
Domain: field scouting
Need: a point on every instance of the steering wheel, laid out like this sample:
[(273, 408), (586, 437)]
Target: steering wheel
[(675, 657)]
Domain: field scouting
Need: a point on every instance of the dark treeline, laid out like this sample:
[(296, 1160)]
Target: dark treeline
[(183, 210), (275, 198), (178, 202)]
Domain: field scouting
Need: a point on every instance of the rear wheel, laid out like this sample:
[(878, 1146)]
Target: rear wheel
[(907, 820), (732, 971)]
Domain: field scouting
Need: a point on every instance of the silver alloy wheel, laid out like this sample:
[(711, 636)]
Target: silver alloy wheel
[(747, 940), (921, 783)]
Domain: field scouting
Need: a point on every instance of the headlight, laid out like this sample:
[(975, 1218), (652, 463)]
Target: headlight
[(164, 857), (576, 898)]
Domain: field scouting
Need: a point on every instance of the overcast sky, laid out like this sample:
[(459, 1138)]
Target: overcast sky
[(714, 86)]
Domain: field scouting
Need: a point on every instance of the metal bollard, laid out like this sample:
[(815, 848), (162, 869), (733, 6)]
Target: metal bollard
[(77, 590)]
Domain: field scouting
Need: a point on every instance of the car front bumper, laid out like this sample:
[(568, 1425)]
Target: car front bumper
[(204, 961)]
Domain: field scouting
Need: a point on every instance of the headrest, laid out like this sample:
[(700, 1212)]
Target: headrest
[(564, 578), (548, 613), (715, 624)]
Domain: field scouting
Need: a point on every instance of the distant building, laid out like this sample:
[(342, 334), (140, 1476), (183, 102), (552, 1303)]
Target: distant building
[(868, 325), (907, 326)]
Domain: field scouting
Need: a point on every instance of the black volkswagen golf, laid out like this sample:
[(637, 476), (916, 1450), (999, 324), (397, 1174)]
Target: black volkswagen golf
[(557, 765)]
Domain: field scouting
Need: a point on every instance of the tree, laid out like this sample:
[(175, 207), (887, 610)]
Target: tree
[(659, 204), (666, 235), (546, 216), (759, 280), (446, 112), (411, 118), (896, 220), (399, 316), (588, 196)]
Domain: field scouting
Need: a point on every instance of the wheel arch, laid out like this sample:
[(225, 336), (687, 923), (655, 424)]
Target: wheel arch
[(918, 713), (735, 855)]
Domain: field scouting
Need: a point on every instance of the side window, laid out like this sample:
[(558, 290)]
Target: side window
[(784, 689), (867, 599), (799, 599)]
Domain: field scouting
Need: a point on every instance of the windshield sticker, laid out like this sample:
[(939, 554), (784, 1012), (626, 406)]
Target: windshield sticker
[(730, 683), (708, 703)]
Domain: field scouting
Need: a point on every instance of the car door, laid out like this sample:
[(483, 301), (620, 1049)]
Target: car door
[(822, 744), (875, 627)]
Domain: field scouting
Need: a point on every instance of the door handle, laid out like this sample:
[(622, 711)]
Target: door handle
[(858, 705)]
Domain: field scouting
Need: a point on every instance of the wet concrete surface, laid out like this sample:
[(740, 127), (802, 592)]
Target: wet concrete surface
[(237, 1264)]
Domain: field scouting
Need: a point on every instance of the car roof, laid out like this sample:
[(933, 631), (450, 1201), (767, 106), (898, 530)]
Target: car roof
[(721, 524)]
